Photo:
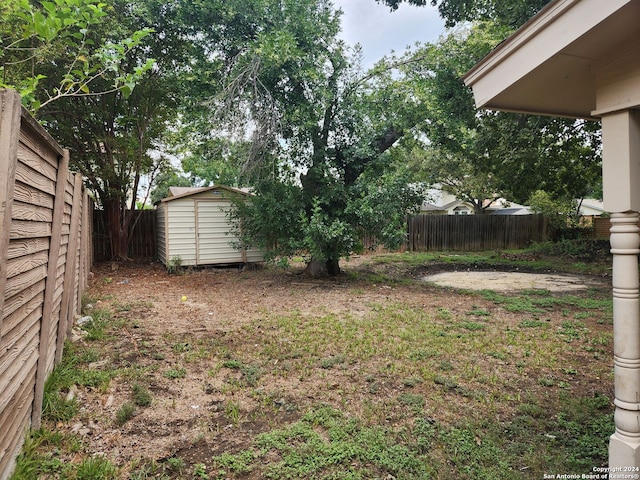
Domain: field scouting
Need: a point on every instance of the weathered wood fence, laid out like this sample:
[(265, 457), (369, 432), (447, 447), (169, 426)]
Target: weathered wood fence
[(474, 232), (142, 239), (45, 254), (425, 232)]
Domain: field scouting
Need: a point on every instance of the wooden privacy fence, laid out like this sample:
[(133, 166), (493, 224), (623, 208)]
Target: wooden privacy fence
[(474, 232), (45, 255), (142, 239)]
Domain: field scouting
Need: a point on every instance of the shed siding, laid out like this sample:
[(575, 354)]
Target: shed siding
[(215, 242), (161, 233), (181, 231)]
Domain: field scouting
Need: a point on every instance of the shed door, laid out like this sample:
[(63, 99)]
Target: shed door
[(213, 243)]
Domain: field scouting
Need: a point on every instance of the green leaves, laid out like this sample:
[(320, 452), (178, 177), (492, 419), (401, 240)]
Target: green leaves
[(55, 37)]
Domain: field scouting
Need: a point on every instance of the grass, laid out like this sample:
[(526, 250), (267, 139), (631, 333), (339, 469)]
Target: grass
[(482, 386), (539, 257)]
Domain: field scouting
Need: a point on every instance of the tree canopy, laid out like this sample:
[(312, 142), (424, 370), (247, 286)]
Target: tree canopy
[(48, 51), (484, 155), (505, 12)]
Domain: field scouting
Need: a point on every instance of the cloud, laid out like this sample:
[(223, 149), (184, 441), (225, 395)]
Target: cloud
[(380, 31)]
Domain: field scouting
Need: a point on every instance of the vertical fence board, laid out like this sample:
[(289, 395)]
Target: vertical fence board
[(142, 238), (474, 232), (10, 113), (50, 287), (66, 311)]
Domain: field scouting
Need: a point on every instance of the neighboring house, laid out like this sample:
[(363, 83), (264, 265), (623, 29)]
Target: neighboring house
[(590, 207), (193, 228), (442, 202)]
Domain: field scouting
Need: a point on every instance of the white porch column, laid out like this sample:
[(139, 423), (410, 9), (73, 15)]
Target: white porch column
[(621, 178), (624, 446)]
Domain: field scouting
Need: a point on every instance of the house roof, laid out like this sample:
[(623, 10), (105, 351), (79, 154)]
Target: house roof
[(176, 193), (555, 62)]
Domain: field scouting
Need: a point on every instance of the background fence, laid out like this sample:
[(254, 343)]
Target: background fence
[(45, 252), (475, 232), (142, 240), (425, 232)]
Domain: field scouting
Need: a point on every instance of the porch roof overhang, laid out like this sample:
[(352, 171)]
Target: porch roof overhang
[(575, 58)]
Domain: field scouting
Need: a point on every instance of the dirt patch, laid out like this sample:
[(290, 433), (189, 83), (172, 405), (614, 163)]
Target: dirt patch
[(514, 281)]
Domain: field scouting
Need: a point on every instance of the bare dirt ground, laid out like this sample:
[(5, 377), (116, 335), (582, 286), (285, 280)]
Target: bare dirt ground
[(512, 281), (178, 335)]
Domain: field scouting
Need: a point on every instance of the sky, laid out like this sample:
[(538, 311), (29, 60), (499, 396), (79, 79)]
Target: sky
[(379, 30)]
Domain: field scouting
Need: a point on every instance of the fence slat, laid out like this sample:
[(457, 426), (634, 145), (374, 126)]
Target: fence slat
[(50, 287), (10, 114), (142, 240)]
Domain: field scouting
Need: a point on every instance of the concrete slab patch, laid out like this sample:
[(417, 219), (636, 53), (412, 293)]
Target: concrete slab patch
[(509, 281)]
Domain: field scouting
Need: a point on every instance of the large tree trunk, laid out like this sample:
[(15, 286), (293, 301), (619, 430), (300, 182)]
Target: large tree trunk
[(322, 268)]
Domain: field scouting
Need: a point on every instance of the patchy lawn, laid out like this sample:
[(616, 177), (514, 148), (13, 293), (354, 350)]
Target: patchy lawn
[(223, 373)]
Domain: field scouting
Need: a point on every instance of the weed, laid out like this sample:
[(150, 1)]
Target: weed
[(546, 382), (176, 464), (232, 411), (414, 401), (472, 326), (181, 347), (448, 383), (532, 323), (325, 444), (479, 312), (96, 468), (411, 382), (233, 364), (498, 355), (176, 372), (124, 414), (571, 331), (330, 362), (174, 264), (445, 365), (33, 463), (200, 471), (238, 464), (141, 396)]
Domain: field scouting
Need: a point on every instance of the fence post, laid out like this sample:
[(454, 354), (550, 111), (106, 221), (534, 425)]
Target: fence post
[(68, 298), (50, 288), (10, 118)]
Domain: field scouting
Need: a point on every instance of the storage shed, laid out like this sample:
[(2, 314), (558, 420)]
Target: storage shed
[(193, 226)]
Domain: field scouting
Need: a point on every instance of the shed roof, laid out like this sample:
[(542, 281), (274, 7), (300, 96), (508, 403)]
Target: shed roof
[(176, 193), (555, 62)]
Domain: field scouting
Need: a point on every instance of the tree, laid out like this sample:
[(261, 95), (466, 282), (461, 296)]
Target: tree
[(321, 134), (505, 12), (168, 178), (111, 136), (563, 214), (52, 40), (482, 155), (212, 160)]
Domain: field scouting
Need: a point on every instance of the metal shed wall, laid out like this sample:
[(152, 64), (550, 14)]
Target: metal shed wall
[(196, 229), (161, 232)]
